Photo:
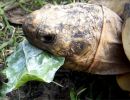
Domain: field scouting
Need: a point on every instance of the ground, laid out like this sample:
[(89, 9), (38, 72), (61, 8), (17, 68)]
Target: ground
[(76, 86), (67, 85)]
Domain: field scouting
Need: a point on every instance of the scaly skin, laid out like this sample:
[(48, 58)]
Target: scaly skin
[(88, 35)]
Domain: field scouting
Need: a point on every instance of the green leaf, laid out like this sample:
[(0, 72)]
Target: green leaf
[(29, 63)]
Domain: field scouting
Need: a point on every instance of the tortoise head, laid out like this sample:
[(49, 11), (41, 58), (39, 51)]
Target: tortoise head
[(62, 30), (88, 35)]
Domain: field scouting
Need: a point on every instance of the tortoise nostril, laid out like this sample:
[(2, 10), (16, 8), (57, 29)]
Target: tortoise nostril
[(50, 38)]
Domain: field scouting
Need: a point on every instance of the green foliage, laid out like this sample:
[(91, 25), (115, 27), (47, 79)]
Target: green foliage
[(74, 95), (29, 63)]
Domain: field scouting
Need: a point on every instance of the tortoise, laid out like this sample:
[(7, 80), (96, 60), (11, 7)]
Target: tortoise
[(90, 36)]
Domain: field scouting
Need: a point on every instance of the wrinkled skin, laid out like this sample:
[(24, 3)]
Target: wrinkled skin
[(88, 35)]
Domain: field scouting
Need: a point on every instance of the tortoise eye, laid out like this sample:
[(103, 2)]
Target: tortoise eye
[(45, 37), (49, 38)]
